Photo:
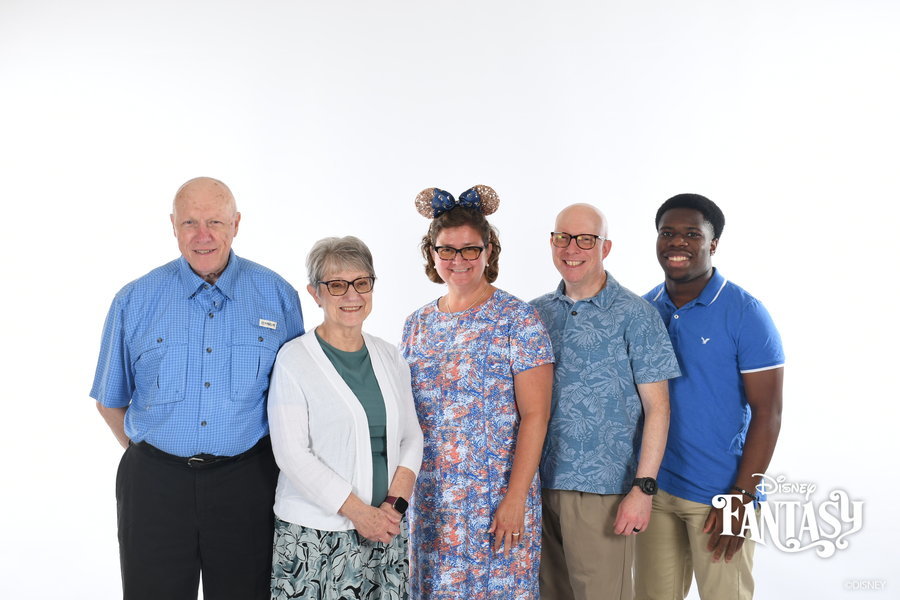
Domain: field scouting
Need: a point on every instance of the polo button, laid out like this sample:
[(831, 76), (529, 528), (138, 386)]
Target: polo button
[(574, 312), (674, 316), (207, 384), (202, 423)]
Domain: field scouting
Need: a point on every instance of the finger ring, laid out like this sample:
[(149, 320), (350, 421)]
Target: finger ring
[(515, 533), (636, 530)]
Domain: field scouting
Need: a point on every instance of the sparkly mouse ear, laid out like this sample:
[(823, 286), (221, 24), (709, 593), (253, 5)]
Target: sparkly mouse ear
[(433, 202), (482, 197)]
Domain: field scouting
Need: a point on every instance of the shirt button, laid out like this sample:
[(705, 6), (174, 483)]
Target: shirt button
[(207, 384), (202, 423), (260, 339), (211, 315), (674, 316), (158, 340), (209, 349), (574, 312), (205, 286)]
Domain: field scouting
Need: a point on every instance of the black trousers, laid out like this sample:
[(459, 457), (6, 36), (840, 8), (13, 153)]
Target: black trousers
[(177, 520)]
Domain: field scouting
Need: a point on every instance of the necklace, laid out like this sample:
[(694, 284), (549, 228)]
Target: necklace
[(479, 298)]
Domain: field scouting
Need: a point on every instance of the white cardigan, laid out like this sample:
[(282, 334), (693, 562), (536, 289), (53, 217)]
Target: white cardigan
[(320, 433)]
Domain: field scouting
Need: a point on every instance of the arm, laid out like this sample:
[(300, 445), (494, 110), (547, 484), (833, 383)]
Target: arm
[(532, 389), (634, 510), (115, 418), (764, 395)]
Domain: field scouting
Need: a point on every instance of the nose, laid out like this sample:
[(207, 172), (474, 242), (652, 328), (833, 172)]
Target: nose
[(678, 239)]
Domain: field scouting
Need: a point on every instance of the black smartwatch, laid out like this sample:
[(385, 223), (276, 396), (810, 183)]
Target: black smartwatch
[(647, 485), (397, 503)]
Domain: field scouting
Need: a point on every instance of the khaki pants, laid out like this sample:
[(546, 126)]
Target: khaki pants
[(673, 547), (581, 557)]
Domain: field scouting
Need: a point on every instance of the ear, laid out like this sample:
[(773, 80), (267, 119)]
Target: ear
[(315, 296), (488, 251), (172, 219), (607, 246), (237, 222), (712, 246)]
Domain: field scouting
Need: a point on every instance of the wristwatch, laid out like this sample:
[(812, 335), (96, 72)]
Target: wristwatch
[(397, 503), (647, 485)]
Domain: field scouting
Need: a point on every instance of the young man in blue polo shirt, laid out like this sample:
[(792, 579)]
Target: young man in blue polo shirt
[(609, 415), (726, 412)]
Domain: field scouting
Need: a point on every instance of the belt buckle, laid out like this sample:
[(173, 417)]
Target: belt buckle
[(195, 461)]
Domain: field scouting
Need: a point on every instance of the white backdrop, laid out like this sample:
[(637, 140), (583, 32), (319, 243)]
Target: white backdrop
[(328, 118)]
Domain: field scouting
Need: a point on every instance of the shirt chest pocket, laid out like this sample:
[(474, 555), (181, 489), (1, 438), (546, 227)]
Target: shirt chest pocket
[(160, 372), (252, 357)]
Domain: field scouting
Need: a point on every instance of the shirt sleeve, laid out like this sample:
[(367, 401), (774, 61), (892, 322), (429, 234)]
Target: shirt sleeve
[(650, 348), (529, 342), (114, 378), (759, 344)]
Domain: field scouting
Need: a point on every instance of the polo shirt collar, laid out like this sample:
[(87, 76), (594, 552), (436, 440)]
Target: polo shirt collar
[(707, 296), (226, 282), (602, 300)]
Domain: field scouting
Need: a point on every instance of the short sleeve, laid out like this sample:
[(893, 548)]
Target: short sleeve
[(759, 344), (529, 342), (113, 380)]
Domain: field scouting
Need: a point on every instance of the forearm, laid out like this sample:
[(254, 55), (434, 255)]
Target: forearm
[(529, 443), (655, 400), (402, 484), (759, 447), (115, 419)]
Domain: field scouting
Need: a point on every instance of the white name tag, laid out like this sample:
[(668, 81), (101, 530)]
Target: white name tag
[(268, 324)]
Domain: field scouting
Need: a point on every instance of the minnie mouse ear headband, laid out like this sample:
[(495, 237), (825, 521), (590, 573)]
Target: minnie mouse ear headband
[(433, 202)]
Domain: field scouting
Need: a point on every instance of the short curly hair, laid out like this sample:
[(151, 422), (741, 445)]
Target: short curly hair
[(712, 214), (461, 217)]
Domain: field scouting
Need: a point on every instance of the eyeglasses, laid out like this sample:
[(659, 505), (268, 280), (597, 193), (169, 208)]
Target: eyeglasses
[(339, 287), (585, 241), (468, 253)]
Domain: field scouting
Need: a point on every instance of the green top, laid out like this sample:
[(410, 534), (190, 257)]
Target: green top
[(355, 368)]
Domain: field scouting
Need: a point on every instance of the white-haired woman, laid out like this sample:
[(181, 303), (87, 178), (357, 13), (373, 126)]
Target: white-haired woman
[(345, 435)]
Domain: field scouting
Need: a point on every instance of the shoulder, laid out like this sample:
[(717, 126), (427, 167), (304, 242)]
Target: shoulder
[(377, 344), (258, 273), (297, 348), (543, 302), (655, 294), (157, 281)]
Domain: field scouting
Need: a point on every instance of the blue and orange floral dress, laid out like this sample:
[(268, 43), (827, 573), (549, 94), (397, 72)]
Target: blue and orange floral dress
[(462, 367)]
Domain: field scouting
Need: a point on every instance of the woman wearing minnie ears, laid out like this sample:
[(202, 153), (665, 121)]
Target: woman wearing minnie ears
[(481, 366)]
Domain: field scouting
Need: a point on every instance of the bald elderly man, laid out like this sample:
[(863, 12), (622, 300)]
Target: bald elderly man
[(181, 381), (609, 416)]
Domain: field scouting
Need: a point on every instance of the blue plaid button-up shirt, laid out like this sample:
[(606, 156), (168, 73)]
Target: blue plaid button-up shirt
[(191, 360)]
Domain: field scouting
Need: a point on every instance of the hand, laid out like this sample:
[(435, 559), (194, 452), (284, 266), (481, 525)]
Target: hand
[(509, 519), (718, 543), (633, 514), (374, 524)]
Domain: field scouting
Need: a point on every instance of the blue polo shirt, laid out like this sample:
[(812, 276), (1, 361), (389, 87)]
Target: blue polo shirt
[(718, 336), (604, 346), (191, 360)]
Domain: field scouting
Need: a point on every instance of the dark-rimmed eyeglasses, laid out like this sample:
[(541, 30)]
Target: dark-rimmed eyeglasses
[(468, 253), (585, 241), (339, 287)]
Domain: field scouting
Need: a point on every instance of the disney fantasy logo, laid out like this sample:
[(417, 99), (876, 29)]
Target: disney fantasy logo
[(793, 525)]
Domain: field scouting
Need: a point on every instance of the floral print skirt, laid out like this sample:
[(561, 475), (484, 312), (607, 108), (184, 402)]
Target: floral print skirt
[(336, 565)]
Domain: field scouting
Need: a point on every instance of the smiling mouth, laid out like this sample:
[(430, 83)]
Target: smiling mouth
[(205, 251), (351, 308), (677, 259), (574, 263)]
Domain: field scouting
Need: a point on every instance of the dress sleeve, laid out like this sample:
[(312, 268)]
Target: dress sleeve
[(529, 342)]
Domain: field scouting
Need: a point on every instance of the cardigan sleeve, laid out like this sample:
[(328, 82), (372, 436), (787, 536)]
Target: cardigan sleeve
[(289, 428), (411, 440)]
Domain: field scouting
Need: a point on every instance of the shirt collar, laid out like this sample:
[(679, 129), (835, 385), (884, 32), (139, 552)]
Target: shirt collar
[(602, 299), (226, 282), (707, 296)]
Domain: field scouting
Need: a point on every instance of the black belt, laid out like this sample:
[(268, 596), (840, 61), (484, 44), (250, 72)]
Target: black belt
[(203, 460)]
